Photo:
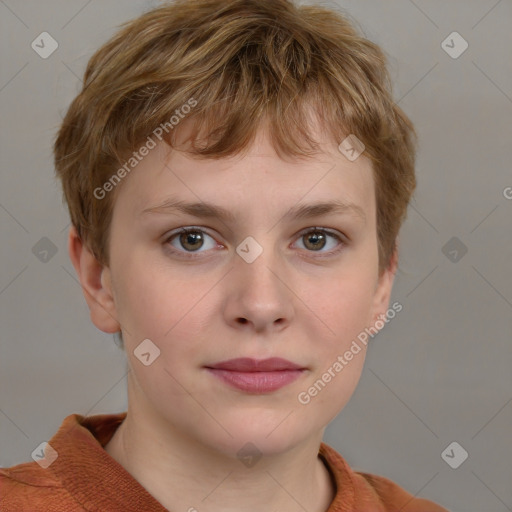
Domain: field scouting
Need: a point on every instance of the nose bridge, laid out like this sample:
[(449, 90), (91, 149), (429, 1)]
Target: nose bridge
[(258, 261), (260, 294)]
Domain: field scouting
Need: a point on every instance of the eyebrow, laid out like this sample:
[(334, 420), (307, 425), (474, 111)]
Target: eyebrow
[(300, 211)]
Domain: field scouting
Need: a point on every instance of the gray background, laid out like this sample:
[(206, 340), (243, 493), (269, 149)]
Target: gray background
[(439, 372)]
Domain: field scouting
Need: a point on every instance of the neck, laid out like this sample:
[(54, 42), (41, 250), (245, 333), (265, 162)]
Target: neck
[(183, 474)]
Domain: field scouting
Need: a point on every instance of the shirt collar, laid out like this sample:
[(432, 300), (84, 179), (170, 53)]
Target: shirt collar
[(83, 464)]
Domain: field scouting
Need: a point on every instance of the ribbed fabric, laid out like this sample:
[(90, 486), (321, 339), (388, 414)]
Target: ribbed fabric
[(84, 477)]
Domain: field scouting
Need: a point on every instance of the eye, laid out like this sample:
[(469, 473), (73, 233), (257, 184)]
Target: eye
[(191, 239), (316, 240), (188, 240)]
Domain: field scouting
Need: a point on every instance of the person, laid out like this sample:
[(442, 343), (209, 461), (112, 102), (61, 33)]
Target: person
[(236, 174)]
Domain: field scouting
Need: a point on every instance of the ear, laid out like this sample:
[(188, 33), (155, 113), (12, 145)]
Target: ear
[(384, 287), (96, 284)]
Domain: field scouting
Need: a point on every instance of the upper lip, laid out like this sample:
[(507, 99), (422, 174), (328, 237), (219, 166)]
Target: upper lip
[(246, 364)]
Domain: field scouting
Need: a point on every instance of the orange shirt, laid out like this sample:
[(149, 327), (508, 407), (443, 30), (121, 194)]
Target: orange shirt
[(84, 477)]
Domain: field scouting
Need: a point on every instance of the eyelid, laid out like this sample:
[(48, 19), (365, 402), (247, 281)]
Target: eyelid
[(341, 237), (333, 232), (185, 229)]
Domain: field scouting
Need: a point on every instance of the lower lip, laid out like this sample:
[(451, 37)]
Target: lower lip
[(257, 382)]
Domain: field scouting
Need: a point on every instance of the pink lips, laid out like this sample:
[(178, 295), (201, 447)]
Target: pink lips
[(255, 376)]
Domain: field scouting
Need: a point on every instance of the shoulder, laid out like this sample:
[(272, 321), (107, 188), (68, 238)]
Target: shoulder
[(364, 492), (392, 496), (78, 476), (28, 487)]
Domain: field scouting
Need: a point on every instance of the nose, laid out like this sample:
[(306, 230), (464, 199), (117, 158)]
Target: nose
[(259, 295)]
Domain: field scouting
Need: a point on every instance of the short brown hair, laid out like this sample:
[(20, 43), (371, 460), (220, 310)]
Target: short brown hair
[(245, 63)]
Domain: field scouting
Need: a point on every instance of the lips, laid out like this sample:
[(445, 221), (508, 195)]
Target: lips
[(246, 364), (253, 376)]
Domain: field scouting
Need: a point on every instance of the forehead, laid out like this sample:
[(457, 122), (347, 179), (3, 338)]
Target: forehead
[(254, 181)]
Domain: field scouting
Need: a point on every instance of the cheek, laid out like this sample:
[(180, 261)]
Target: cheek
[(154, 300), (167, 309), (346, 296), (342, 307), (163, 309), (337, 359)]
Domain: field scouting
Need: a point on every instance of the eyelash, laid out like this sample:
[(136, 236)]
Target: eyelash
[(192, 229)]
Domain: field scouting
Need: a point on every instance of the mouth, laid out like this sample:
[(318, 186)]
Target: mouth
[(246, 364), (256, 376)]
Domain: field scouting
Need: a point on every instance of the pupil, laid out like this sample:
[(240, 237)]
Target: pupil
[(316, 238), (192, 239)]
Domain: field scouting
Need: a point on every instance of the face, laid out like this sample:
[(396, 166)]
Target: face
[(261, 282)]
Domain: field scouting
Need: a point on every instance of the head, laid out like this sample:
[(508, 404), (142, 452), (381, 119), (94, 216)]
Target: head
[(241, 105)]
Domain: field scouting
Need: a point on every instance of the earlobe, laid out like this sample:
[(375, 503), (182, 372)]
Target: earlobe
[(96, 284)]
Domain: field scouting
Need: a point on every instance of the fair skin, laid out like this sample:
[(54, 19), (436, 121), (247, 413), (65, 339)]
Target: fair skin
[(185, 426)]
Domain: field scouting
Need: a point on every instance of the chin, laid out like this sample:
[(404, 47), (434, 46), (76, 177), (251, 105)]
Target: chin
[(271, 437)]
